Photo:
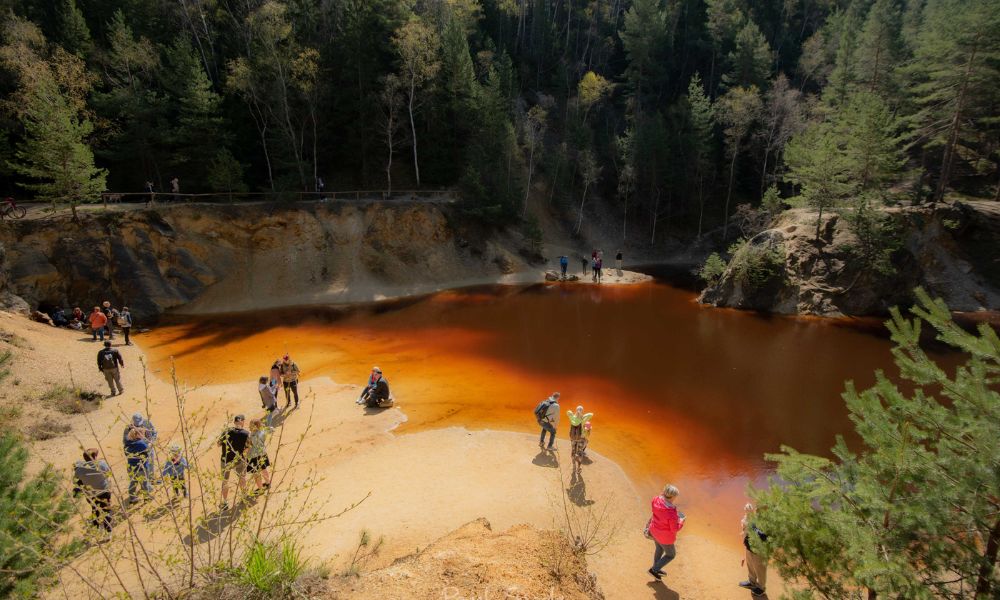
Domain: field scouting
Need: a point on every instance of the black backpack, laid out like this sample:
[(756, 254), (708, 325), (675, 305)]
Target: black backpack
[(108, 360), (542, 408)]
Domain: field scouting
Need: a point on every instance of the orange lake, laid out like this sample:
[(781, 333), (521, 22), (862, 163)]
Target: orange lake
[(681, 393)]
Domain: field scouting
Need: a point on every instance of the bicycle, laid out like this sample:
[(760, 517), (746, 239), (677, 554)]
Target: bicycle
[(11, 210)]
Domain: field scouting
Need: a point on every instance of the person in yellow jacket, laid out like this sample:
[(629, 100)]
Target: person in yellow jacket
[(576, 436)]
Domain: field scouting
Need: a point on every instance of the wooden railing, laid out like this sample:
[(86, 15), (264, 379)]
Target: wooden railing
[(433, 196)]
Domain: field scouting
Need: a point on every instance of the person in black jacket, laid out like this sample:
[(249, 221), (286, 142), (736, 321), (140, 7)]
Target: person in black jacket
[(376, 393), (108, 361), (756, 564)]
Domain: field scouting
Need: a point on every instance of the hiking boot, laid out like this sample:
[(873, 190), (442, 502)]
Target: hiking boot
[(224, 506), (655, 574), (756, 592), (745, 584)]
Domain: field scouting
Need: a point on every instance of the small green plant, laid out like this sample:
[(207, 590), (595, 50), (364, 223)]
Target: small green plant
[(951, 224), (713, 269), (70, 400), (753, 265), (364, 551), (6, 357), (877, 236), (271, 567)]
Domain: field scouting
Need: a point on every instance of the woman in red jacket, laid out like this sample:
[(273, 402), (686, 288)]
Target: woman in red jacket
[(663, 527)]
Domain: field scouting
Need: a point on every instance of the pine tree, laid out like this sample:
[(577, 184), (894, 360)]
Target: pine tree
[(912, 510), (34, 510), (643, 35), (818, 166), (199, 130), (957, 74), (702, 120), (843, 76), (73, 31), (870, 138), (880, 48), (750, 61)]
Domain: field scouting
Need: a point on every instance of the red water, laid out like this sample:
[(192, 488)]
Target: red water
[(684, 394)]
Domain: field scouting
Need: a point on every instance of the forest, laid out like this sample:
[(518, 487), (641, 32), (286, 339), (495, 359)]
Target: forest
[(661, 111)]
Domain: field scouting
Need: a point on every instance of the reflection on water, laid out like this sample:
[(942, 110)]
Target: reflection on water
[(681, 393)]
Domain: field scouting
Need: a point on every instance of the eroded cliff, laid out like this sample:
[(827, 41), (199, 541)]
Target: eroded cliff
[(953, 251), (221, 258)]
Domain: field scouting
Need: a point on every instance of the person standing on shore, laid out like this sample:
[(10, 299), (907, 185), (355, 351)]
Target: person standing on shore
[(576, 422), (257, 461), (599, 268), (175, 472), (234, 443), (618, 262), (268, 398), (97, 322), (547, 415), (125, 321), (663, 527), (275, 375), (289, 372), (583, 266), (91, 479), (112, 315), (563, 265), (756, 564), (138, 460), (108, 361)]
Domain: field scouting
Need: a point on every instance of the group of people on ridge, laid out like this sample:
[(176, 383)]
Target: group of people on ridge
[(596, 263)]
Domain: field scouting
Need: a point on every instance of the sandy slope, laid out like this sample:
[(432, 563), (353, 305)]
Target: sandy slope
[(421, 485)]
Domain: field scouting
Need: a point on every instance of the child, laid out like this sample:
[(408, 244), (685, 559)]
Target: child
[(268, 397), (175, 471), (577, 421), (586, 437), (258, 462)]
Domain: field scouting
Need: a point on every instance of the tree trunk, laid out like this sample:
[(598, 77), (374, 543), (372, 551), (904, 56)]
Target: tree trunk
[(625, 221), (531, 164), (579, 222), (819, 220), (413, 130), (956, 126), (701, 203), (729, 193), (656, 215), (989, 562)]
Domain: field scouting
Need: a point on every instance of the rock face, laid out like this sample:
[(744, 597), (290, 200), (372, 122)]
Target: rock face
[(225, 258), (952, 251)]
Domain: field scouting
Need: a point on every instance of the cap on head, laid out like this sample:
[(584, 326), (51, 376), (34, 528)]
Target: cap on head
[(376, 370), (107, 343), (285, 357), (137, 418), (124, 308), (175, 448), (555, 395), (239, 419)]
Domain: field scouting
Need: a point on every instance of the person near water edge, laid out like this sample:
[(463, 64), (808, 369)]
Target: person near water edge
[(662, 528)]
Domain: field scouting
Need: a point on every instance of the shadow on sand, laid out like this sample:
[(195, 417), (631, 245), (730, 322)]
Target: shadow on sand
[(662, 592), (577, 490), (546, 458), (214, 524)]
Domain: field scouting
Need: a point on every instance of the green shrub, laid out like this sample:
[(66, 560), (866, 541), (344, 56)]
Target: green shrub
[(268, 568), (70, 401), (34, 511), (753, 265), (713, 269)]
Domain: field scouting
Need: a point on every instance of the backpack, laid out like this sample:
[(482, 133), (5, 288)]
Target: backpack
[(542, 408), (108, 360)]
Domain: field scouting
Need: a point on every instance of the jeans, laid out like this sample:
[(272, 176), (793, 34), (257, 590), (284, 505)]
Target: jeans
[(294, 387), (98, 332), (546, 426), (664, 554), (563, 267), (101, 504), (139, 478), (126, 331)]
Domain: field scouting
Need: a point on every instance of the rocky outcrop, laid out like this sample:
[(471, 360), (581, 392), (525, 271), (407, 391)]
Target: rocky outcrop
[(953, 251), (224, 258)]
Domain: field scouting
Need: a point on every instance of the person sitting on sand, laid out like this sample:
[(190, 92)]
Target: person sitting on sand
[(576, 422), (376, 392)]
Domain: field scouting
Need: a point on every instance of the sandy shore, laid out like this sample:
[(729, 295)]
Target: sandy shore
[(416, 487)]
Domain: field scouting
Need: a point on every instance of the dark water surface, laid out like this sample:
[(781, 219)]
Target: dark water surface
[(682, 393)]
